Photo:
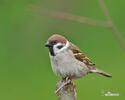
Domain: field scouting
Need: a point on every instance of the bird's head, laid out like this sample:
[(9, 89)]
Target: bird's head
[(57, 43)]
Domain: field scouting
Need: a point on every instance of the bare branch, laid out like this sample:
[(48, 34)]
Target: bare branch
[(66, 92), (104, 9), (85, 20), (71, 17), (111, 26)]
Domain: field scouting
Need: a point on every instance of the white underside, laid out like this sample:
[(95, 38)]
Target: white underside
[(64, 63)]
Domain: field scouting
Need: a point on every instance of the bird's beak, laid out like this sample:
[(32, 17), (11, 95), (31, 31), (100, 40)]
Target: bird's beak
[(48, 45)]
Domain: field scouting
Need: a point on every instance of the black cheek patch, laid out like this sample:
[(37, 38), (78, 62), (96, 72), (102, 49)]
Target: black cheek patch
[(51, 51), (59, 47)]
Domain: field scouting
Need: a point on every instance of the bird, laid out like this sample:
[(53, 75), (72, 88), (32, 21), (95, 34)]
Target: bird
[(67, 60)]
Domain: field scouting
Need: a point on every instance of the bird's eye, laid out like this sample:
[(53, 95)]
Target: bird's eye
[(60, 46), (54, 42)]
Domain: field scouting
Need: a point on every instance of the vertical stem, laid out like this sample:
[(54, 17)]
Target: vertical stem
[(67, 92), (111, 26)]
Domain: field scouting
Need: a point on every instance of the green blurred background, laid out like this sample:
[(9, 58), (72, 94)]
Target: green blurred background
[(25, 70)]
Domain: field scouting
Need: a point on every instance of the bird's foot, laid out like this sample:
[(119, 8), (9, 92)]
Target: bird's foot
[(67, 82), (68, 79)]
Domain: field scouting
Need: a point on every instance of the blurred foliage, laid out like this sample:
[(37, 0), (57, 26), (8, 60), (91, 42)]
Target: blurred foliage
[(25, 70)]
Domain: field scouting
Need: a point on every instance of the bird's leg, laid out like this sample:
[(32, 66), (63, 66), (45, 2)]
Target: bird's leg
[(68, 81), (69, 78)]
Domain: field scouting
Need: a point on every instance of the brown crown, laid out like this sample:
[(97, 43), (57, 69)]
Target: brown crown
[(57, 38)]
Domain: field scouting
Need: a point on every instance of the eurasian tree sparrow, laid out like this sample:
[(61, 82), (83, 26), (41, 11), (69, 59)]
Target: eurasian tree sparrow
[(67, 60)]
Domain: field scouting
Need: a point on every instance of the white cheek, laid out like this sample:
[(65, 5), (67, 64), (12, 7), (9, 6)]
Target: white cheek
[(57, 50)]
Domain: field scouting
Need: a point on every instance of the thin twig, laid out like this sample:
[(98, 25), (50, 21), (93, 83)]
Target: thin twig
[(111, 26), (85, 20), (71, 17)]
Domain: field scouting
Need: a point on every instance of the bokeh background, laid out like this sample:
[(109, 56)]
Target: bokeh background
[(25, 70)]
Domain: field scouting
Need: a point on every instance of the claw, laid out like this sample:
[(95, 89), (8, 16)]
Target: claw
[(68, 81), (69, 78)]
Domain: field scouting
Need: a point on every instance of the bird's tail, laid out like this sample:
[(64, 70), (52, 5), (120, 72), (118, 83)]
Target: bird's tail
[(100, 72)]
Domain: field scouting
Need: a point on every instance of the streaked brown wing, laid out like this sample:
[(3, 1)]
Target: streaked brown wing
[(79, 55)]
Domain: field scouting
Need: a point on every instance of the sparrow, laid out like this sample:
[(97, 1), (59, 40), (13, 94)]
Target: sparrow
[(67, 60)]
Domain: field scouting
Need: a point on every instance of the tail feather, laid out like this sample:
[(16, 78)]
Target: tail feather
[(100, 72)]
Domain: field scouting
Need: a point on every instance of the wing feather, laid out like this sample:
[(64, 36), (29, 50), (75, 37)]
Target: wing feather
[(79, 55)]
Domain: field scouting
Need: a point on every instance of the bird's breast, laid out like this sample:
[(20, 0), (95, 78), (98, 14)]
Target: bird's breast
[(64, 63)]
